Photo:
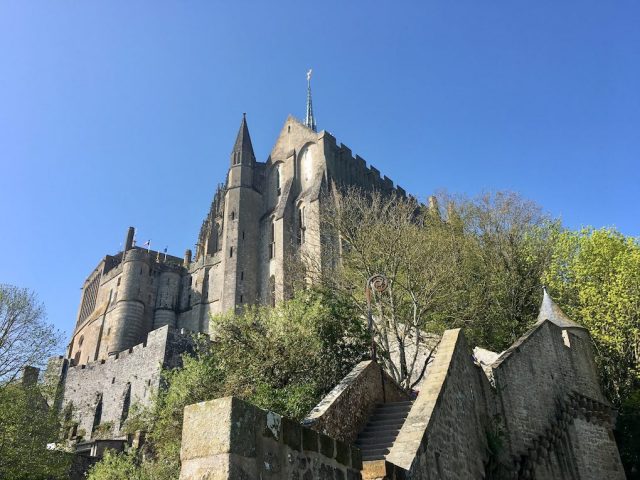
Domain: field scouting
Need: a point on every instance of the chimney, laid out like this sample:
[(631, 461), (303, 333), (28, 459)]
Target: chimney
[(187, 257), (128, 243)]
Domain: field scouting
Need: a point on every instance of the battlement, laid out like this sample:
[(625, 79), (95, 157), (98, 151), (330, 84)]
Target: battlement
[(156, 338), (350, 169)]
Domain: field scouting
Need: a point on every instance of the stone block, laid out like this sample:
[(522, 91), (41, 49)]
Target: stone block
[(356, 458), (224, 425), (309, 440), (343, 453), (292, 434), (326, 445)]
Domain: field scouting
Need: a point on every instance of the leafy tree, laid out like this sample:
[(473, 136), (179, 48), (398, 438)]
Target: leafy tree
[(25, 336), (27, 425), (479, 268), (505, 246), (595, 276), (118, 466)]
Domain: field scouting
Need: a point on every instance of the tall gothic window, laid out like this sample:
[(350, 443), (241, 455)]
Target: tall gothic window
[(302, 226), (277, 174), (89, 299), (272, 241)]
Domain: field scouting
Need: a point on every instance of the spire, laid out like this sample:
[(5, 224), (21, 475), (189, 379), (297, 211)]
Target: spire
[(309, 121), (242, 153), (552, 312)]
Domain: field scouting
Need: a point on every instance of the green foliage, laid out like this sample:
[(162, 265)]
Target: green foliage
[(628, 434), (479, 268), (26, 427), (104, 430), (282, 359), (505, 245), (595, 276), (288, 356), (118, 466)]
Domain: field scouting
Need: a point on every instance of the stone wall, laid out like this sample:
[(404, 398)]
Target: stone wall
[(344, 412), (103, 391), (230, 439), (532, 376), (556, 421), (444, 435)]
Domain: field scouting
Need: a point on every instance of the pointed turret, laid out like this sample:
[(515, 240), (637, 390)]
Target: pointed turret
[(552, 312), (309, 120), (242, 153)]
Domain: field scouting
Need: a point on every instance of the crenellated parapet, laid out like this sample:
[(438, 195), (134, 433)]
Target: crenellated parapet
[(349, 170)]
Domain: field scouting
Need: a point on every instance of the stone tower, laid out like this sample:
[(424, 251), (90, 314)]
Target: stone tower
[(242, 211)]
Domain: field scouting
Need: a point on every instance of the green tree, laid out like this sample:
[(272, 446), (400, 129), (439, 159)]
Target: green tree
[(505, 246), (595, 276), (118, 466), (478, 266), (27, 425)]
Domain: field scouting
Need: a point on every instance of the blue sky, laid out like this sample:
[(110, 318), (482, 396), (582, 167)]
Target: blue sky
[(117, 113)]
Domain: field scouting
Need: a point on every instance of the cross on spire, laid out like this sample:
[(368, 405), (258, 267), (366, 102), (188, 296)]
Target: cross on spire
[(309, 121)]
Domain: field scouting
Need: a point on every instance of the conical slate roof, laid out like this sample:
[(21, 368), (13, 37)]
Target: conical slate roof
[(243, 140), (552, 312)]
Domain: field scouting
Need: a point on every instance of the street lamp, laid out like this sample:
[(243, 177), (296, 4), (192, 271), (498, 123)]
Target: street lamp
[(379, 283)]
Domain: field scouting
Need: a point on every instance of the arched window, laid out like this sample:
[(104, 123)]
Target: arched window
[(272, 240), (302, 225), (277, 181)]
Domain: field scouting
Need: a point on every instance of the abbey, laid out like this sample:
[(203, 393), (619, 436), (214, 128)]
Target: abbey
[(264, 218)]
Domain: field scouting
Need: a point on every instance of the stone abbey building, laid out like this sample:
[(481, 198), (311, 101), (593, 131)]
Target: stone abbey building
[(264, 216), (542, 394)]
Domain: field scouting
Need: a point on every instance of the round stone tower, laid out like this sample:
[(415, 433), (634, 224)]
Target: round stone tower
[(128, 329), (167, 299)]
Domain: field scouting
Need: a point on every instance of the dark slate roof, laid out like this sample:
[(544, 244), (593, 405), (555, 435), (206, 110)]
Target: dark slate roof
[(243, 140), (552, 312)]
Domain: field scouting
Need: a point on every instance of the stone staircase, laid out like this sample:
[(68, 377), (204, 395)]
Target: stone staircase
[(381, 431)]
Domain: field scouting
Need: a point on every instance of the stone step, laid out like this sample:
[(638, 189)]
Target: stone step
[(375, 454), (377, 438), (385, 422), (399, 416), (378, 433), (394, 406), (373, 439), (375, 446)]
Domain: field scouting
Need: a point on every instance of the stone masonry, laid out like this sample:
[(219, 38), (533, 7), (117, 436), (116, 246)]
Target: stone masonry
[(228, 439), (263, 218)]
